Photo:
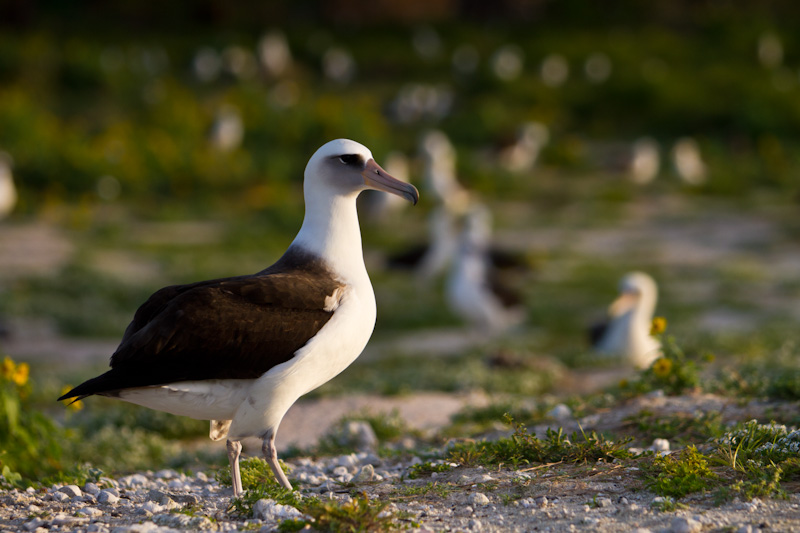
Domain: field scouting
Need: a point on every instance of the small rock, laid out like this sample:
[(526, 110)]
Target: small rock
[(65, 520), (97, 527), (681, 524), (475, 525), (641, 530), (367, 473), (478, 498), (541, 501), (34, 524), (340, 471), (560, 412), (176, 484), (134, 480), (660, 445), (747, 528), (72, 491), (269, 510), (107, 497), (59, 497), (356, 433), (165, 474), (91, 488), (604, 502), (150, 508), (91, 512)]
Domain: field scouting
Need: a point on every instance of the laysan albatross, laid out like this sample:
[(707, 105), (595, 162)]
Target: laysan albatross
[(240, 351)]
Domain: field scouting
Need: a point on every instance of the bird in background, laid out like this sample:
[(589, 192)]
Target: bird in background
[(240, 351), (8, 192), (645, 160), (626, 332), (472, 292), (227, 131), (688, 161), (521, 156)]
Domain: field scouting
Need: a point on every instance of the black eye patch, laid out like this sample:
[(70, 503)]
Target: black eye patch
[(351, 159)]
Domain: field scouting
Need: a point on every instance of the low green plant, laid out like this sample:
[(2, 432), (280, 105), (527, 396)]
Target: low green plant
[(524, 448), (30, 441), (358, 515), (674, 372), (427, 468), (759, 482), (678, 474), (255, 472)]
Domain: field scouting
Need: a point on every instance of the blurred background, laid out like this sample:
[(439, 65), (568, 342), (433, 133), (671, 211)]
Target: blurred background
[(162, 143)]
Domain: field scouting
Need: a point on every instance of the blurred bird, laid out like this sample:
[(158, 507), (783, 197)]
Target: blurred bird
[(339, 66), (626, 332), (439, 172), (240, 351), (688, 162), (274, 55), (227, 131), (8, 192), (472, 291), (523, 154), (645, 160)]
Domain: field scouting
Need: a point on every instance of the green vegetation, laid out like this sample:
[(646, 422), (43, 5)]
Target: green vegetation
[(677, 475), (522, 449), (358, 515), (427, 468)]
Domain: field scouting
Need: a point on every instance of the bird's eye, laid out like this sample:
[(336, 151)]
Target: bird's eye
[(350, 159)]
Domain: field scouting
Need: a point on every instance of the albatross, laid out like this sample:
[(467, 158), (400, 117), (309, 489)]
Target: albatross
[(240, 351), (627, 331)]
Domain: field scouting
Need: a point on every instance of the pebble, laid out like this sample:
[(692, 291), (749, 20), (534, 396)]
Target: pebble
[(478, 498), (72, 491), (91, 512), (604, 503), (682, 524), (270, 510), (107, 497), (475, 525), (560, 412), (91, 488), (134, 480), (660, 445), (59, 497), (367, 473)]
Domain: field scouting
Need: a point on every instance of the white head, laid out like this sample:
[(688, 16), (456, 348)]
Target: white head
[(345, 168), (638, 293)]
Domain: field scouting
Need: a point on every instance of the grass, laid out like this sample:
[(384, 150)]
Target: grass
[(522, 449), (358, 515)]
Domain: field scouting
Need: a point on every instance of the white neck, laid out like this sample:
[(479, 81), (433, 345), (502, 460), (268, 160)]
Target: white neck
[(331, 231)]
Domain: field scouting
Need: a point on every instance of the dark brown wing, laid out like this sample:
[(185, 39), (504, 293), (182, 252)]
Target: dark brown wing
[(233, 328)]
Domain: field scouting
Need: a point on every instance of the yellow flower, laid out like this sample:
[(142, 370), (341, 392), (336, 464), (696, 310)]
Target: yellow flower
[(77, 405), (8, 367), (662, 367), (20, 375), (658, 326)]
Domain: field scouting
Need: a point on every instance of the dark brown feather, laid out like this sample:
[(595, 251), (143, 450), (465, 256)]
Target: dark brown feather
[(230, 328)]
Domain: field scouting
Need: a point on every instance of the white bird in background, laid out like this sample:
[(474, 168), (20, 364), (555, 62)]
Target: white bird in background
[(274, 55), (471, 291), (439, 172), (645, 160), (627, 331), (227, 131), (8, 192), (688, 162), (523, 154), (240, 351), (379, 206)]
